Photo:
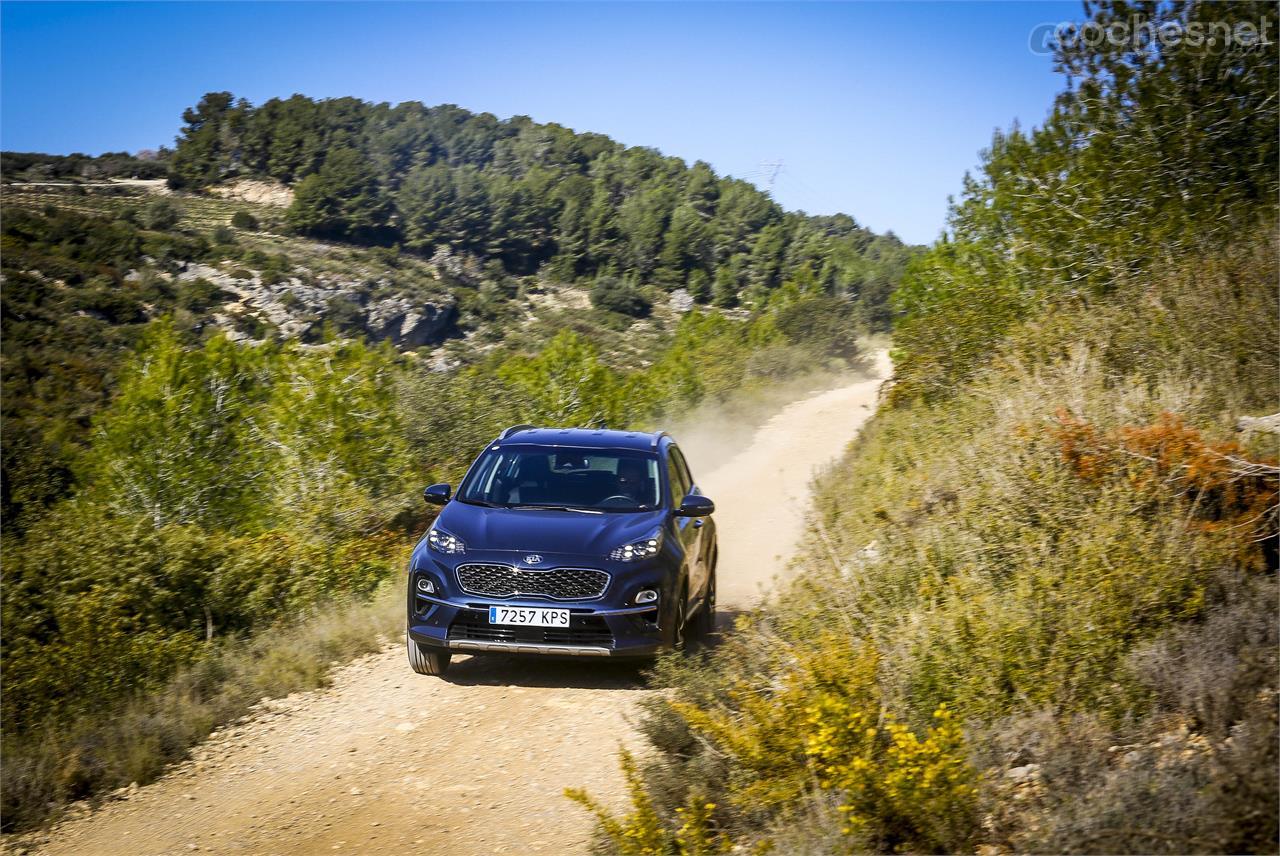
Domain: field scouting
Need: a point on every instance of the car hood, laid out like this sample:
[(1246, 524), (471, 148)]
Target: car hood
[(536, 531)]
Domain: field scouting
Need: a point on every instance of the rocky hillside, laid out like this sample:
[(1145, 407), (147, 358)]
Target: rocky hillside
[(256, 281)]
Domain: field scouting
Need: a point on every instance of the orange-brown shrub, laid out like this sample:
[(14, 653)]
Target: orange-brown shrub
[(1225, 491)]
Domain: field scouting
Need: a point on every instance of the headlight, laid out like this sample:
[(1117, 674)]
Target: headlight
[(642, 549), (444, 542)]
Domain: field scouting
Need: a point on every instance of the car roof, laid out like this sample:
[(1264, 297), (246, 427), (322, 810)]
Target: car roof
[(583, 438)]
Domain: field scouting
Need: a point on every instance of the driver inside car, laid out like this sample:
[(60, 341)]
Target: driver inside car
[(633, 480)]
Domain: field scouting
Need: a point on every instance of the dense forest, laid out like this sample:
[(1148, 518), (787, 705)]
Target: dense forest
[(1039, 610), (529, 195), (218, 413)]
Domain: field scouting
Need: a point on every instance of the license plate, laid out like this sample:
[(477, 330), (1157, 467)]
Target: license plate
[(532, 617)]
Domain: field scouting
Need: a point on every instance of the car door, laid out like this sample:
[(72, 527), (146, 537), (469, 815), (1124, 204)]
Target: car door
[(681, 482)]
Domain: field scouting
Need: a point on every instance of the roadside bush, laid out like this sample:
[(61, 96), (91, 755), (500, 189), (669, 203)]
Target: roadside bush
[(642, 832), (828, 325), (567, 384)]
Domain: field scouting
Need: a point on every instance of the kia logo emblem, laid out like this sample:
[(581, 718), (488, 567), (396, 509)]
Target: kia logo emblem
[(532, 559)]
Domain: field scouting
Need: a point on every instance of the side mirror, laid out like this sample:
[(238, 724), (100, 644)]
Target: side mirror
[(436, 494), (695, 505)]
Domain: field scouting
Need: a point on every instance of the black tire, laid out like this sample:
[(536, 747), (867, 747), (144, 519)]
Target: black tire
[(675, 634), (426, 660), (705, 623)]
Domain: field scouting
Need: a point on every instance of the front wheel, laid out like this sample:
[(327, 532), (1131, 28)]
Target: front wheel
[(674, 631), (426, 660), (706, 620)]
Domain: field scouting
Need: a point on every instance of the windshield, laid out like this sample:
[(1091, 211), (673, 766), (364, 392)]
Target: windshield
[(590, 479)]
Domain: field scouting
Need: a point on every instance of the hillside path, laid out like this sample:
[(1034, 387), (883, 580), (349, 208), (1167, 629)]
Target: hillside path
[(383, 760)]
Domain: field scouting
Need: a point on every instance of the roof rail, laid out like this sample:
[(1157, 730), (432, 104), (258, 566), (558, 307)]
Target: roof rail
[(514, 429), (657, 437)]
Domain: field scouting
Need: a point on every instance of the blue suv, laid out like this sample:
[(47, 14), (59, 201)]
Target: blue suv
[(564, 541)]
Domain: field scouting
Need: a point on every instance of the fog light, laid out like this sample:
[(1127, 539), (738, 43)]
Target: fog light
[(425, 586), (646, 596)]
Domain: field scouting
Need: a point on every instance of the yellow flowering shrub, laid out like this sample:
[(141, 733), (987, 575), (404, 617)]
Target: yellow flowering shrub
[(766, 732), (642, 832), (901, 792), (638, 833), (695, 835), (822, 726)]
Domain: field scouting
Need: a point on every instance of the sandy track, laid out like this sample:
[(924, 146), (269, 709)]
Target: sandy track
[(384, 759)]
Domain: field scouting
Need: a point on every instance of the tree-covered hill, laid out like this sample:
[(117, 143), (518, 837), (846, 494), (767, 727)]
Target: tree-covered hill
[(424, 227), (530, 195)]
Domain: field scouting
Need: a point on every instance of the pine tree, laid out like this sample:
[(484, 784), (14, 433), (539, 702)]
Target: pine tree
[(685, 246), (725, 292), (343, 200), (208, 141), (700, 286)]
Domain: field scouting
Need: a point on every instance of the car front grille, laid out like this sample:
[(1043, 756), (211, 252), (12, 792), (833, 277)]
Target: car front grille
[(555, 583), (582, 630)]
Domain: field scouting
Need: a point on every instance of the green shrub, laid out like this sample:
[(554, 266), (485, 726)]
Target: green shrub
[(255, 258), (244, 220), (346, 316), (829, 325), (614, 295), (199, 295), (160, 214)]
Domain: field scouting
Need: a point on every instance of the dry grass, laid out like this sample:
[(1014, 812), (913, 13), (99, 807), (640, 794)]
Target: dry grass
[(91, 756)]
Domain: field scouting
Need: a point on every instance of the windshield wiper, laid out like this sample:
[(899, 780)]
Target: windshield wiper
[(557, 508), (482, 503)]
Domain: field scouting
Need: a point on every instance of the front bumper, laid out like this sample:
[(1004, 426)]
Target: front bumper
[(462, 625)]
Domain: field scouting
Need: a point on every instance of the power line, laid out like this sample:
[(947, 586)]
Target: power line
[(771, 168)]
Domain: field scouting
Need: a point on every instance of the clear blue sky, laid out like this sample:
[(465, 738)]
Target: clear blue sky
[(874, 109)]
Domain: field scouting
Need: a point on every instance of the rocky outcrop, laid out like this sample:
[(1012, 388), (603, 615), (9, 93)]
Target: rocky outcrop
[(298, 307), (255, 190), (462, 267), (1259, 424), (409, 324), (681, 300)]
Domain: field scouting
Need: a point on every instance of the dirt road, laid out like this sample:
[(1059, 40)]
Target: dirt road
[(384, 759)]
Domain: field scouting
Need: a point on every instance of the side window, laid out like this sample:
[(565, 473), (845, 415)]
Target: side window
[(679, 483), (684, 468)]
